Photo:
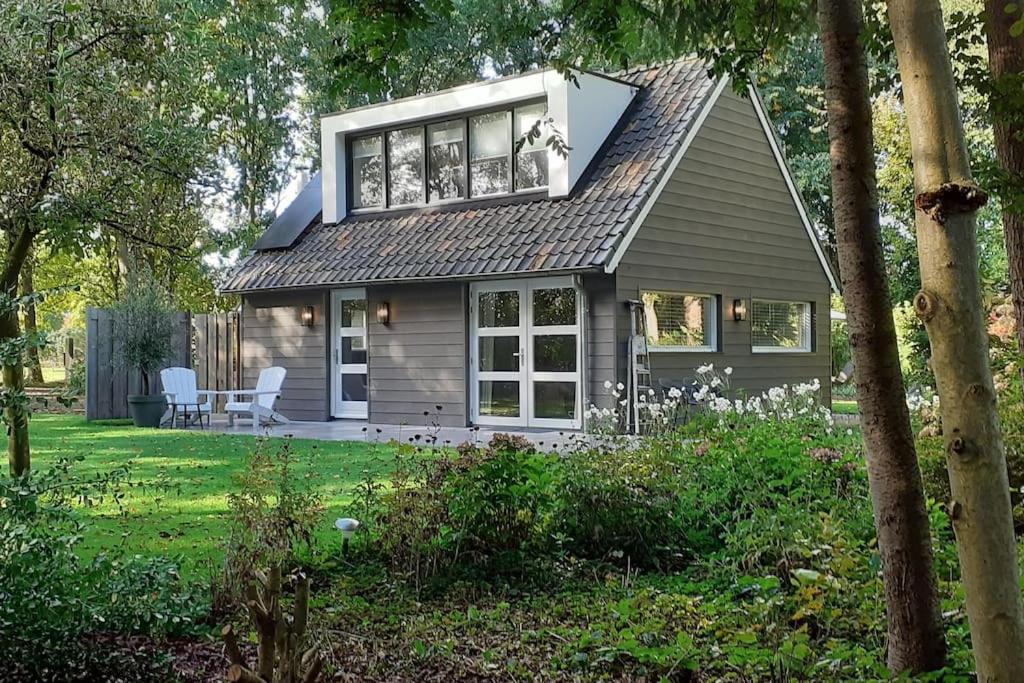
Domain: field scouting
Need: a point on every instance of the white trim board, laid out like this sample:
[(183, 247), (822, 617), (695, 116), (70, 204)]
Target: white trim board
[(691, 134)]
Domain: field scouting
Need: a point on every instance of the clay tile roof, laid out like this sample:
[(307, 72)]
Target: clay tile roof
[(504, 235)]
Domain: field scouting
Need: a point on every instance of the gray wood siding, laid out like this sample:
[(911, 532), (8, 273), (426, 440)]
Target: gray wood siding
[(418, 361), (272, 334), (726, 224), (602, 308)]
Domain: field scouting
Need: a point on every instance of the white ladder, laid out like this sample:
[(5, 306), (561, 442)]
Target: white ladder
[(639, 363)]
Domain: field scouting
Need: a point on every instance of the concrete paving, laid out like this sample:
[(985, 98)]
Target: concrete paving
[(361, 430)]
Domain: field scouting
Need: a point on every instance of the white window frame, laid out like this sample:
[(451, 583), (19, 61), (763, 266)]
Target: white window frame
[(806, 328), (713, 324)]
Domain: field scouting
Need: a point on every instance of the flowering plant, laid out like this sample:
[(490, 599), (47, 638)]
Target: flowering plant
[(712, 398)]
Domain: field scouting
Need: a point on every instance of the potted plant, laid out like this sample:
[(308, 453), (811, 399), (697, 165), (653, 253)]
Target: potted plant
[(144, 329)]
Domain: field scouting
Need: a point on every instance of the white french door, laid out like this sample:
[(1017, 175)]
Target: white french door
[(349, 386), (526, 353)]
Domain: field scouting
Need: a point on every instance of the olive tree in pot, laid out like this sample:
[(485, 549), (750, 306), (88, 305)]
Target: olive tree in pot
[(144, 329)]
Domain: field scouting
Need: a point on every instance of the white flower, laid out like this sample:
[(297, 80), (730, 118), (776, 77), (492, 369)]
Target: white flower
[(650, 392), (607, 384), (715, 382), (675, 393), (728, 371), (705, 368), (620, 386)]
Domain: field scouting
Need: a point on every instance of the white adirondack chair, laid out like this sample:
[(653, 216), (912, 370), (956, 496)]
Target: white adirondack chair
[(183, 395), (260, 404)]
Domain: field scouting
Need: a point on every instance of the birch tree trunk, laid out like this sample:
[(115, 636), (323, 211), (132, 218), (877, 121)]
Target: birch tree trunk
[(1006, 63), (916, 640), (949, 303)]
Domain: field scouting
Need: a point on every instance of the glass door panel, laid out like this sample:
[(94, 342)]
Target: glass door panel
[(351, 389), (554, 333), (499, 387)]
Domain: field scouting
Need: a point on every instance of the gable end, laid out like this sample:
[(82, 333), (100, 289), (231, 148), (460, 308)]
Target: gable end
[(788, 186)]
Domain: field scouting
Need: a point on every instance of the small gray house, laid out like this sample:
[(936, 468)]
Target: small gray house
[(445, 257)]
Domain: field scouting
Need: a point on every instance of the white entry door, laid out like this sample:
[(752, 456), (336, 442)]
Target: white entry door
[(349, 385), (526, 353)]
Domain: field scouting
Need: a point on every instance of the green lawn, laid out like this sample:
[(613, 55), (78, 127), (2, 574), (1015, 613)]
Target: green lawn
[(842, 406), (177, 501)]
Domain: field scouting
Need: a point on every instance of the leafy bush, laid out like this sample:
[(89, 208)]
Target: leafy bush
[(485, 507), (738, 495), (52, 603), (273, 512)]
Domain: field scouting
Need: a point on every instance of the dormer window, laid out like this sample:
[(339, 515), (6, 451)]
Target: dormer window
[(532, 157), (405, 167), (367, 172), (446, 161), (469, 157), (490, 144)]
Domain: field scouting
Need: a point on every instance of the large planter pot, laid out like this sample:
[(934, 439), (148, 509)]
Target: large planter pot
[(147, 410)]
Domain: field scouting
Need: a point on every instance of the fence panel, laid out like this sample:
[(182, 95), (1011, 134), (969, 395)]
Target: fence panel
[(106, 386), (217, 358)]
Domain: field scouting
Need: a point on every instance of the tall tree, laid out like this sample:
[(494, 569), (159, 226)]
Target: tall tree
[(86, 128), (1004, 31), (916, 641), (949, 303)]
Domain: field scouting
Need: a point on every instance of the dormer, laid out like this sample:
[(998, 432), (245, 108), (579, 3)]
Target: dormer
[(461, 144)]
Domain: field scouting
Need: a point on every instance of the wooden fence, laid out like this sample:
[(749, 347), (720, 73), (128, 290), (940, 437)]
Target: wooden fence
[(218, 364), (207, 342)]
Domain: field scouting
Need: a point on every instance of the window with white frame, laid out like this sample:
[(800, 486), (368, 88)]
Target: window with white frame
[(475, 155), (780, 326), (677, 321)]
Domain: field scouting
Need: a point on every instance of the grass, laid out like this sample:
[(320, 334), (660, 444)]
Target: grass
[(842, 406), (177, 501)]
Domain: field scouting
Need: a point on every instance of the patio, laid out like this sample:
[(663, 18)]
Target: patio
[(361, 430)]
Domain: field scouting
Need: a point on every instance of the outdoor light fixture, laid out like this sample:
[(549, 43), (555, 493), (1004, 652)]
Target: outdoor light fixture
[(384, 313), (739, 310), (347, 526), (307, 316)]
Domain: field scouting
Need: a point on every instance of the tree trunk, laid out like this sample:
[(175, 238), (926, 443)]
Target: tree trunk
[(1006, 62), (949, 303), (916, 640), (15, 411), (35, 369)]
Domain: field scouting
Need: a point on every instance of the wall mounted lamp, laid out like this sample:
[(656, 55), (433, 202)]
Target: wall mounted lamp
[(739, 310), (384, 313), (307, 316)]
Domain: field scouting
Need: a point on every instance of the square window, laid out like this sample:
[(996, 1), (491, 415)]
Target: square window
[(367, 178), (680, 322), (780, 326), (446, 161), (490, 149), (405, 166), (531, 156)]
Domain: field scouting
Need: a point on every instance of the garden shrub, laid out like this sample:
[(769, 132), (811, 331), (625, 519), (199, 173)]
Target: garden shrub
[(485, 507), (53, 604), (273, 512)]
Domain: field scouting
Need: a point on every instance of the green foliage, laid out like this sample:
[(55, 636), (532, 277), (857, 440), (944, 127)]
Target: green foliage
[(486, 507), (274, 509), (662, 504), (144, 327), (52, 602)]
